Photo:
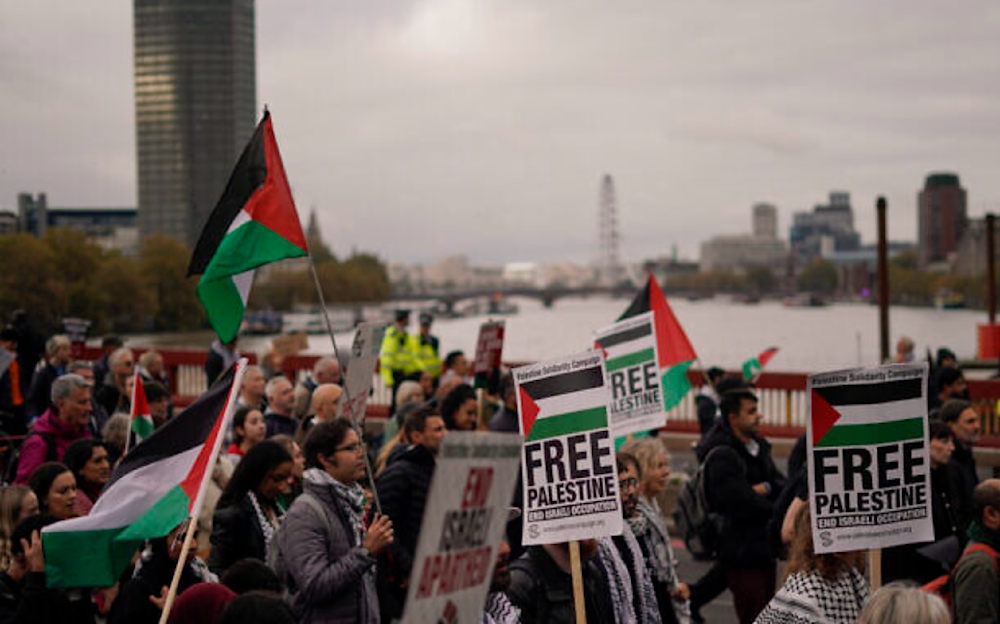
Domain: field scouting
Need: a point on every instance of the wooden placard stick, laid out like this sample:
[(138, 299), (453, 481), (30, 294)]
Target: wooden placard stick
[(577, 571)]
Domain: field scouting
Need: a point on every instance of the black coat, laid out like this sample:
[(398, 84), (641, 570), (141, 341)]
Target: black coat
[(132, 606), (33, 603), (236, 534), (964, 479), (729, 477), (40, 394), (544, 593), (402, 489)]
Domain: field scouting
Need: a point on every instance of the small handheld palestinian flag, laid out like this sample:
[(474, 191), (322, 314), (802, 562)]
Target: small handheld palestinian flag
[(156, 486), (753, 367), (141, 420), (674, 350), (254, 223)]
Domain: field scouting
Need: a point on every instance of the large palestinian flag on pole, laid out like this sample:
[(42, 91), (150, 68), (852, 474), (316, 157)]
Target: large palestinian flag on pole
[(158, 484), (255, 223), (674, 350)]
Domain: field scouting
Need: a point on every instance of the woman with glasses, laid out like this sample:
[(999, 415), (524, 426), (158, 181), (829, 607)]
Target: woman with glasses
[(248, 515), (327, 553), (650, 528)]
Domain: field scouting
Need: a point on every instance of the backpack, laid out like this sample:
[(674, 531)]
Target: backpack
[(944, 585), (275, 558), (51, 455), (700, 526)]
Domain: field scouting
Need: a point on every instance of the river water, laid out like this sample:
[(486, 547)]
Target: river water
[(722, 332)]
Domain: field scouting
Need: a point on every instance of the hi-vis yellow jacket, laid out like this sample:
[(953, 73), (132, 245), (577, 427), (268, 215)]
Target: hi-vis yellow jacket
[(398, 356)]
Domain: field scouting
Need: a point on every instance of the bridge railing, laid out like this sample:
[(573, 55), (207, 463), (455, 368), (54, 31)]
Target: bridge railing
[(782, 395)]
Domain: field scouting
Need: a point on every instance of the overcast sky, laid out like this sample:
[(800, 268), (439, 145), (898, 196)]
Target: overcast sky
[(425, 128)]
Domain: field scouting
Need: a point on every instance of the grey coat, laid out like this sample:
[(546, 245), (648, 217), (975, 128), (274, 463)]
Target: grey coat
[(328, 573)]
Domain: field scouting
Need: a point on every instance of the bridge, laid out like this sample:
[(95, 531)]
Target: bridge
[(449, 297)]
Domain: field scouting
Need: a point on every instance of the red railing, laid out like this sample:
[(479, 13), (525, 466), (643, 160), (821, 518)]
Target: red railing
[(782, 395)]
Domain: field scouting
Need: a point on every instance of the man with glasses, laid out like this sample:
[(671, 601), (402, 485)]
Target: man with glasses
[(402, 490)]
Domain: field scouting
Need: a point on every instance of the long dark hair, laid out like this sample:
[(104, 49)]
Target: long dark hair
[(240, 420), (250, 472), (454, 401), (78, 454), (41, 482)]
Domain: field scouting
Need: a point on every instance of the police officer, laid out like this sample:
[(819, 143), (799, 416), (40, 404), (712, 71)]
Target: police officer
[(426, 347), (398, 359)]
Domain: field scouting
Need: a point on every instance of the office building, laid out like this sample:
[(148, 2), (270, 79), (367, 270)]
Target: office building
[(941, 220), (195, 107)]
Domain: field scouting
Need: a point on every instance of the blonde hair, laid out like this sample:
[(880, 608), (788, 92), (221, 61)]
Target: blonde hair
[(647, 451), (900, 603), (11, 501)]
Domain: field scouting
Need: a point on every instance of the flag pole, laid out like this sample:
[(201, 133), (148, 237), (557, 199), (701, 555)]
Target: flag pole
[(131, 416), (347, 395), (227, 417)]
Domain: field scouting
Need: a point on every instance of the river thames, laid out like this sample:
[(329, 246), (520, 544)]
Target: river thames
[(722, 332)]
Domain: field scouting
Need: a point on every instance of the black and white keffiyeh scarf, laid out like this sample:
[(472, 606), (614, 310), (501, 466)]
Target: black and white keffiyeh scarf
[(266, 526), (350, 497), (499, 610), (619, 580), (650, 528), (808, 598)]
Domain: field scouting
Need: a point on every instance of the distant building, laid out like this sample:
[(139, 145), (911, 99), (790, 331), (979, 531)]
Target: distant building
[(8, 222), (970, 253), (111, 228), (742, 251), (858, 267), (195, 107), (765, 221), (941, 220), (827, 228)]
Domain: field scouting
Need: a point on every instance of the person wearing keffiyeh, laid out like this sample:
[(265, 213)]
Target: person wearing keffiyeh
[(649, 466), (329, 559), (824, 589), (498, 609)]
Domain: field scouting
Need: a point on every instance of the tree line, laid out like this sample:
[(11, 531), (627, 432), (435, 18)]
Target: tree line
[(63, 274)]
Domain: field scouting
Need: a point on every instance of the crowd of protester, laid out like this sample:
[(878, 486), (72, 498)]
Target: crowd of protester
[(289, 533)]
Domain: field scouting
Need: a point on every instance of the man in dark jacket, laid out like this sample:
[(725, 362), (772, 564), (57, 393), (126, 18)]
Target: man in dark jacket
[(281, 403), (977, 583), (330, 559), (742, 483), (707, 399), (57, 356), (963, 420), (541, 585), (402, 490)]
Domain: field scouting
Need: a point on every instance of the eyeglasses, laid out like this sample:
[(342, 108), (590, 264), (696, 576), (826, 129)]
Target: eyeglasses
[(628, 484), (350, 448)]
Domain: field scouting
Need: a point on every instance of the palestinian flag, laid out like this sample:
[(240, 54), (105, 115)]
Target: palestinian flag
[(753, 367), (157, 485), (142, 420), (875, 413), (563, 403), (676, 355), (255, 223)]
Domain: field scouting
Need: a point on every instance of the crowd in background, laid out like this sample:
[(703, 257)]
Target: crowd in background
[(289, 533)]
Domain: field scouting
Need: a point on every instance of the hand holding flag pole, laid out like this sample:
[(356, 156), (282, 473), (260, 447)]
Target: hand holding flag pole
[(192, 521)]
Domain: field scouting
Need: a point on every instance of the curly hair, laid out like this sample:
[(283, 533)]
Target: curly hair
[(802, 555)]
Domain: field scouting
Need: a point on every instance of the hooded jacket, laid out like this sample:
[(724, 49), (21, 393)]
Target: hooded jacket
[(35, 450)]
